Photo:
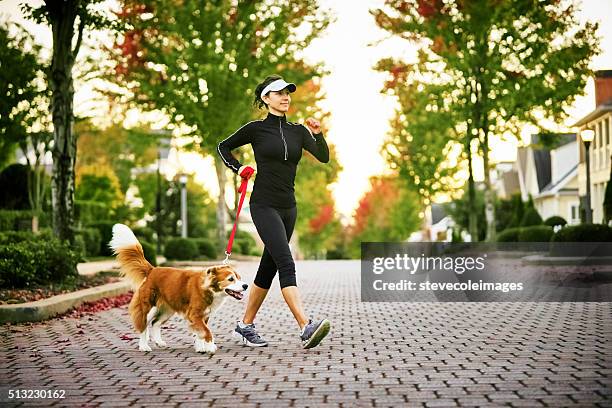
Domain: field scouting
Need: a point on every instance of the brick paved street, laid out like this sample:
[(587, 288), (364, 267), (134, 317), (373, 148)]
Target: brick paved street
[(379, 354)]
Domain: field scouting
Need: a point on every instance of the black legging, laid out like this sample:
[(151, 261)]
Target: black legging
[(275, 226)]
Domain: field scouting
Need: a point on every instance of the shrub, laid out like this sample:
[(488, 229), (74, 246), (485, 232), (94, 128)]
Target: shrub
[(531, 217), (509, 235), (206, 248), (181, 249), (39, 261), (92, 240), (554, 221), (536, 233), (150, 252), (244, 243), (106, 234), (584, 233)]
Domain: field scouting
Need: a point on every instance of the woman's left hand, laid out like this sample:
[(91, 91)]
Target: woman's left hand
[(314, 126)]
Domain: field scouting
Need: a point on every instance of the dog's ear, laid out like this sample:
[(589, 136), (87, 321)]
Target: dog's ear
[(211, 269)]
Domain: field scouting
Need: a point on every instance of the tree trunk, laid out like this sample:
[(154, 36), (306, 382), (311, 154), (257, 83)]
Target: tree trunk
[(221, 212), (489, 197), (62, 19), (473, 216)]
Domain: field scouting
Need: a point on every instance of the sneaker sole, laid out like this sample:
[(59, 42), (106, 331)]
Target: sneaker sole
[(318, 335), (245, 341)]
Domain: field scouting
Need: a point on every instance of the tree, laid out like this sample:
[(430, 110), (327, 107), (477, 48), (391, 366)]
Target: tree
[(389, 211), (499, 63), (419, 145), (24, 118), (62, 16), (199, 65)]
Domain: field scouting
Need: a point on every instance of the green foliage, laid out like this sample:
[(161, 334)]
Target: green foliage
[(228, 48), (509, 212), (509, 235), (459, 210), (554, 221), (387, 212), (584, 233), (106, 234), (88, 211), (92, 240), (181, 249), (244, 243), (21, 86), (206, 247), (201, 216), (21, 220), (99, 184), (531, 217), (144, 234), (484, 68), (536, 233), (36, 262), (150, 252)]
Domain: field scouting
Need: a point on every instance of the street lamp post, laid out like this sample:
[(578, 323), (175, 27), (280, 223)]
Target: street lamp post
[(587, 136), (183, 181), (163, 150)]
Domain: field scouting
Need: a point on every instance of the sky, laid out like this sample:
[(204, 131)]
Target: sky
[(359, 113)]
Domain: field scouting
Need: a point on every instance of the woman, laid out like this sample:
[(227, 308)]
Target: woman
[(277, 145)]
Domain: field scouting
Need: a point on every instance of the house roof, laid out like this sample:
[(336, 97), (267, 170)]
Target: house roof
[(553, 188), (541, 160), (437, 213)]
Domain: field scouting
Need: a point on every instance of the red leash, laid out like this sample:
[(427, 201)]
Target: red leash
[(242, 189)]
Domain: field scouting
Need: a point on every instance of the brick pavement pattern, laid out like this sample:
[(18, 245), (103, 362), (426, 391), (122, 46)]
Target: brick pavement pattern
[(378, 354)]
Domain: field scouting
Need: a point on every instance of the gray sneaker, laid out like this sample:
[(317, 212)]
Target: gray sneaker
[(314, 332), (248, 336)]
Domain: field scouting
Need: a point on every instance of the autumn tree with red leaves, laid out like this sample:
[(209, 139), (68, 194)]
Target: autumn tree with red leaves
[(487, 67), (199, 63), (389, 211)]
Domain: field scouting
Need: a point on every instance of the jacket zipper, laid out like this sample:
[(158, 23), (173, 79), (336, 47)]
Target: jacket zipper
[(280, 126)]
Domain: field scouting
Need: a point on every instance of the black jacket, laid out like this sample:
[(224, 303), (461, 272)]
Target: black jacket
[(277, 145)]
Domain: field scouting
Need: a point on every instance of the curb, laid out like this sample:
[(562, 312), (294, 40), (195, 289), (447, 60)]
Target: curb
[(46, 308)]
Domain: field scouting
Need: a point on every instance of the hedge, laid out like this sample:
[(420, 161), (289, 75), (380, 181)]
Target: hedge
[(30, 262), (181, 249), (206, 248), (536, 233), (13, 220), (509, 235), (584, 233), (92, 240)]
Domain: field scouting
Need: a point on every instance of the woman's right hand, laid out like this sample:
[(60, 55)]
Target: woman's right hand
[(246, 172)]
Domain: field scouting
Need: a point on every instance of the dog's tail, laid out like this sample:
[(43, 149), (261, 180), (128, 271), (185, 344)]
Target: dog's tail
[(130, 255)]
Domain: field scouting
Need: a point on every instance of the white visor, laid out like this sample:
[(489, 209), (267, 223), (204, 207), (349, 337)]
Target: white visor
[(278, 85)]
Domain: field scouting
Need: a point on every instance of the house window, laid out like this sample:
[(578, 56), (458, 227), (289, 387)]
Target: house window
[(574, 214)]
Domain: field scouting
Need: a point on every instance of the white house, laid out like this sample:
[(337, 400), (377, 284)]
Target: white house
[(550, 177), (600, 151)]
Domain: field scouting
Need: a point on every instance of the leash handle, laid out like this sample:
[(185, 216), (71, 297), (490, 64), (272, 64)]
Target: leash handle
[(242, 189)]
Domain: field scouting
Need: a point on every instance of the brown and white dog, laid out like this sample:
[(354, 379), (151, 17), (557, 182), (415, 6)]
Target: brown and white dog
[(159, 292)]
